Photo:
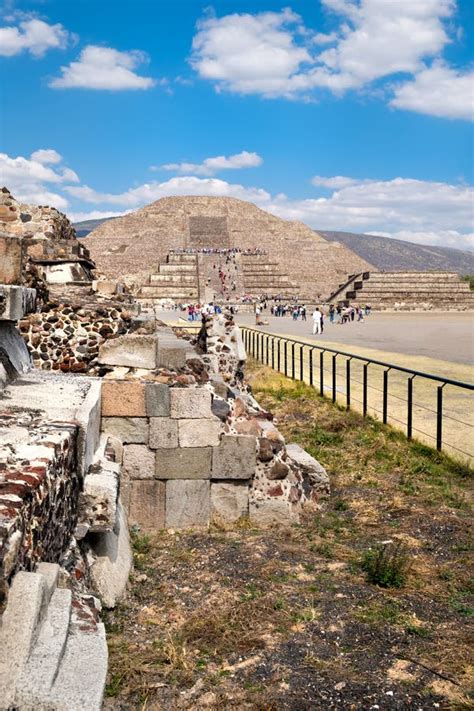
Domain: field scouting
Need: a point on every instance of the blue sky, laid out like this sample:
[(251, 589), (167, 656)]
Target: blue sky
[(345, 114)]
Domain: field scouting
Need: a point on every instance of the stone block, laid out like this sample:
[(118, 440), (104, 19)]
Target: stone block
[(163, 433), (147, 504), (199, 433), (229, 500), (138, 462), (171, 354), (16, 302), (123, 398), (190, 403), (186, 463), (98, 499), (132, 351), (157, 397), (234, 458), (11, 259), (272, 512), (188, 504), (129, 430), (311, 469), (112, 566), (88, 417)]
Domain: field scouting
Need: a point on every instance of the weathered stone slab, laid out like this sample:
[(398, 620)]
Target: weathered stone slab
[(163, 433), (171, 354), (234, 458), (16, 302), (190, 403), (157, 400), (271, 512), (133, 351), (123, 398), (186, 463), (147, 504), (309, 467), (138, 462), (88, 417), (229, 500), (199, 432), (112, 566), (188, 504), (129, 430), (11, 259)]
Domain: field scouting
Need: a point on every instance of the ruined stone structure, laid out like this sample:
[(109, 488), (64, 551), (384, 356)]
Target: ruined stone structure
[(195, 277), (406, 291), (44, 238), (136, 243)]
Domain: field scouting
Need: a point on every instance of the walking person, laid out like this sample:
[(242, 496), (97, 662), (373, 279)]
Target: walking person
[(317, 319)]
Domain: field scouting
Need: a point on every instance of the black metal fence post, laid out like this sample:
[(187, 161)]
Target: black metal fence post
[(293, 361), (311, 367), (385, 396), (279, 356), (273, 352), (410, 407), (321, 373), (334, 371), (348, 383), (301, 363), (285, 356), (439, 418), (365, 379)]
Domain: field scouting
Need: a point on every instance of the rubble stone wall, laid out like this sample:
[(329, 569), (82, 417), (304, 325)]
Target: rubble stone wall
[(39, 489)]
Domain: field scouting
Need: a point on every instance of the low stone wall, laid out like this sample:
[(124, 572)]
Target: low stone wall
[(196, 444), (66, 335)]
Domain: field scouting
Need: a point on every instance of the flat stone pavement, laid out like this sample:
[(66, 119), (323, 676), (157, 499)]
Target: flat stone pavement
[(441, 336)]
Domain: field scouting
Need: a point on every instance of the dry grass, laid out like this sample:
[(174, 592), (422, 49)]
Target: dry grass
[(250, 619)]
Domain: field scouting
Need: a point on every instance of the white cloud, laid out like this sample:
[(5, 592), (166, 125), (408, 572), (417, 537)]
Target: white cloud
[(438, 91), (273, 54), (33, 36), (250, 54), (81, 216), (211, 166), (186, 185), (29, 179), (338, 181), (104, 68), (46, 155)]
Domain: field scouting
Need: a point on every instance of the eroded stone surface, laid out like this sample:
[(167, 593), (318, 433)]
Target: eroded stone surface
[(188, 504)]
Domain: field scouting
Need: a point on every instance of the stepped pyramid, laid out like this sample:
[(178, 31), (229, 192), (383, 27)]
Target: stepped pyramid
[(137, 245)]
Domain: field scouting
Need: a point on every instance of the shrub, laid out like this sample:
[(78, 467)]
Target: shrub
[(387, 564)]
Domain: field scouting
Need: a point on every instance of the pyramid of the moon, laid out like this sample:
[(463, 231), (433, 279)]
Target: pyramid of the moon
[(135, 244)]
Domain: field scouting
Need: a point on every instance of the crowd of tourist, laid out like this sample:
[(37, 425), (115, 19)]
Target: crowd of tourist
[(335, 313), (218, 250)]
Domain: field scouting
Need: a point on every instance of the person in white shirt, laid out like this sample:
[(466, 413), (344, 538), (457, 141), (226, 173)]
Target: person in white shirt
[(317, 318)]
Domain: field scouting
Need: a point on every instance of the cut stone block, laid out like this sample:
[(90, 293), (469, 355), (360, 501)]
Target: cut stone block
[(234, 458), (230, 500), (112, 566), (88, 417), (157, 400), (138, 462), (188, 504), (190, 403), (147, 505), (16, 302), (199, 432), (171, 354), (11, 259), (132, 351), (123, 398), (98, 500), (129, 430), (272, 512), (186, 463), (163, 433)]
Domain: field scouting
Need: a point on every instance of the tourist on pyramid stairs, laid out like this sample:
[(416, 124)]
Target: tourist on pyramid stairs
[(317, 321)]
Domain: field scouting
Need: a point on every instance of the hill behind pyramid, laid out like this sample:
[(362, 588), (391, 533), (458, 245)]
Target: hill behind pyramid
[(133, 245)]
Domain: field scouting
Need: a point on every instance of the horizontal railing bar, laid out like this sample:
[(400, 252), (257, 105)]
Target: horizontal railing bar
[(399, 368)]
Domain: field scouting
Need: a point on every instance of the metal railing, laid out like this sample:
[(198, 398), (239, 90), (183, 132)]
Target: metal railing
[(308, 363)]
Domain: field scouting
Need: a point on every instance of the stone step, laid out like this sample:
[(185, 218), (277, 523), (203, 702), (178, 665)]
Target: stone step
[(182, 258), (38, 674), (172, 278), (177, 268), (165, 291)]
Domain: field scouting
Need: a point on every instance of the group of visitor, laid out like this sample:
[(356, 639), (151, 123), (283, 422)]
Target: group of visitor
[(254, 251)]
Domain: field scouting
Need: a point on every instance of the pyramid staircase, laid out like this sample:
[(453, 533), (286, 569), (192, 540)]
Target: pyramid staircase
[(443, 291), (195, 277)]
